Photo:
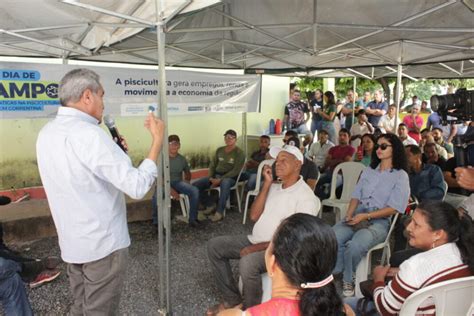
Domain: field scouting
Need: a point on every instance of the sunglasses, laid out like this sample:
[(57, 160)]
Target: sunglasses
[(382, 146)]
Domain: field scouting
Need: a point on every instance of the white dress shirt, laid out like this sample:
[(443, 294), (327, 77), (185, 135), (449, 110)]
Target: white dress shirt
[(84, 174), (388, 124)]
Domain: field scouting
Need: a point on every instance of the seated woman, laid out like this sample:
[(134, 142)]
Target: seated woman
[(365, 155), (446, 237), (383, 189), (302, 283)]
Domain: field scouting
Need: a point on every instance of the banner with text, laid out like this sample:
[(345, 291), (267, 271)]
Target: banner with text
[(31, 90)]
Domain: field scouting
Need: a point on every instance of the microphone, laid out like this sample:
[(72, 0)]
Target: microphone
[(110, 123)]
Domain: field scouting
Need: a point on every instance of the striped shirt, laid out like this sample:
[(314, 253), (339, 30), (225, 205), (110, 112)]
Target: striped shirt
[(436, 265)]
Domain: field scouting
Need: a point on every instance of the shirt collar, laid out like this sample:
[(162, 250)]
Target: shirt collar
[(64, 111)]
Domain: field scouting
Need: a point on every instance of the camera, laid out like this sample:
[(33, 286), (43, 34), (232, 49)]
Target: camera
[(459, 105)]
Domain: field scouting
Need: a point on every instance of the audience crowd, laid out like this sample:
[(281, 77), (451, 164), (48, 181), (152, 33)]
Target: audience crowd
[(308, 261)]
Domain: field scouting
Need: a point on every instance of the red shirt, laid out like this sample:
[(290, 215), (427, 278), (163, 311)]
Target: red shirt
[(410, 123), (340, 152)]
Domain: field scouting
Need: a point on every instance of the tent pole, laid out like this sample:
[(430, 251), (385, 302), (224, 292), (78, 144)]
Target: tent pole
[(398, 93), (353, 99), (163, 181)]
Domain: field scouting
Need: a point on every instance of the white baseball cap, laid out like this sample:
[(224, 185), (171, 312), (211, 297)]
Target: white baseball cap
[(274, 151)]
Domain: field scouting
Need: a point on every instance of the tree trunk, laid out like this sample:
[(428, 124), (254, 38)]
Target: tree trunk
[(386, 88)]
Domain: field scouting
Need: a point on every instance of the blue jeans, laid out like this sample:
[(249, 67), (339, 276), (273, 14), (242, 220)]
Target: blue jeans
[(12, 292), (252, 181), (203, 184), (329, 127), (354, 245), (316, 125), (185, 188), (302, 129), (352, 302)]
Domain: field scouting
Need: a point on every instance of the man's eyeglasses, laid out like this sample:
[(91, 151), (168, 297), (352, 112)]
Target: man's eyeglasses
[(229, 137), (382, 146)]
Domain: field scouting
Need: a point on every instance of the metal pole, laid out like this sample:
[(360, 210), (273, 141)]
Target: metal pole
[(398, 93), (353, 99), (163, 182)]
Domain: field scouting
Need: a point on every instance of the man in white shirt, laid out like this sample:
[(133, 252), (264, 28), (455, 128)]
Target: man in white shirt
[(84, 173), (403, 135), (274, 203), (388, 120), (361, 127), (319, 151)]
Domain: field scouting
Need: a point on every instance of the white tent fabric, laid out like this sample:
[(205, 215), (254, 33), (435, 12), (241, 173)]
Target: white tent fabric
[(260, 36)]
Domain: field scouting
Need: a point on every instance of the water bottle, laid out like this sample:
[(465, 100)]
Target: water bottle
[(272, 126), (278, 127)]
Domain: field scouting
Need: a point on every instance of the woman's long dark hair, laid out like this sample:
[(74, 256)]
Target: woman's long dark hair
[(371, 137), (331, 98), (399, 157), (458, 226), (305, 249)]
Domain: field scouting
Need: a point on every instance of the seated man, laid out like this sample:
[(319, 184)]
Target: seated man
[(337, 154), (256, 158), (426, 180), (438, 138), (427, 137), (319, 151), (309, 171), (223, 172), (361, 127), (178, 167), (388, 120), (403, 135), (432, 156), (275, 202), (13, 296)]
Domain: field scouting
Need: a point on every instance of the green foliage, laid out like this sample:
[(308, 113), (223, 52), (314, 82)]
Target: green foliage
[(308, 85), (362, 85)]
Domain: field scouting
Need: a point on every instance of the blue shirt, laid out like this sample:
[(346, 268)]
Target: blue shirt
[(374, 120), (379, 189), (434, 121), (428, 184)]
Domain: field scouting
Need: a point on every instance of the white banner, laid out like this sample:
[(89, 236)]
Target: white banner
[(31, 90)]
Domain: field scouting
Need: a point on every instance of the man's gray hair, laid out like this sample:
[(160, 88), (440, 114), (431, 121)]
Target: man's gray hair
[(75, 82)]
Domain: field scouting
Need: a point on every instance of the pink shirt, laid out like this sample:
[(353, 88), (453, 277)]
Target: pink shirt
[(276, 307), (410, 123)]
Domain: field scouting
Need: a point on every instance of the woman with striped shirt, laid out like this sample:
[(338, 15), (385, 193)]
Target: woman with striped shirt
[(446, 237)]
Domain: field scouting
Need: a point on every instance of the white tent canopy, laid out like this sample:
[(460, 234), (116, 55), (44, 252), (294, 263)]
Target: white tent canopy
[(267, 36)]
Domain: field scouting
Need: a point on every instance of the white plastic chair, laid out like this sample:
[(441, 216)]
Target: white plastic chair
[(235, 188), (350, 173), (445, 189), (452, 298), (363, 268), (255, 192)]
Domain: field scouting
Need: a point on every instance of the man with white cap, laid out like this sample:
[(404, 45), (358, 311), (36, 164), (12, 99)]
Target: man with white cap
[(274, 203)]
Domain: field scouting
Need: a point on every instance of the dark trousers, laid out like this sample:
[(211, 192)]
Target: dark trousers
[(220, 250)]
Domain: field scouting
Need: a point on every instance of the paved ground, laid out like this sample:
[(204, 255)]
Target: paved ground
[(193, 288)]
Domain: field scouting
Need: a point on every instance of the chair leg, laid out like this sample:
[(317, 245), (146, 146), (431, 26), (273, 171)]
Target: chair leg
[(238, 199), (182, 204), (246, 208)]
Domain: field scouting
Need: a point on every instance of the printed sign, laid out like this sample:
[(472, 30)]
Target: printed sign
[(31, 90)]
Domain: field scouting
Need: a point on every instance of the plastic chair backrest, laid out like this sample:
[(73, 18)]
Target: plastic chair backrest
[(452, 297), (259, 171), (350, 173), (240, 173), (445, 189)]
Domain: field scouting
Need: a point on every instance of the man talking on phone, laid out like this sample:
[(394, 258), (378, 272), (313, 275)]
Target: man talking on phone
[(85, 175)]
